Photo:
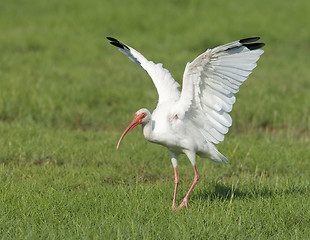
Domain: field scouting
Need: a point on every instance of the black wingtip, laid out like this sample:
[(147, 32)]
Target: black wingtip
[(249, 43), (254, 46), (117, 43), (112, 39), (249, 40)]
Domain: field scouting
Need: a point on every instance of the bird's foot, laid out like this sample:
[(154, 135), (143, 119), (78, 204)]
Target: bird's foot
[(174, 208), (184, 203)]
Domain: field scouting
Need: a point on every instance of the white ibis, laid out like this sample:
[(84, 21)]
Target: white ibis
[(193, 120)]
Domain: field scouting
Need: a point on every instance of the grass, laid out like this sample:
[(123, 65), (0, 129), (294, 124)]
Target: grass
[(66, 95)]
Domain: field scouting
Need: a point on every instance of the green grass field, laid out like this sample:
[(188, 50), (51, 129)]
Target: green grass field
[(66, 95)]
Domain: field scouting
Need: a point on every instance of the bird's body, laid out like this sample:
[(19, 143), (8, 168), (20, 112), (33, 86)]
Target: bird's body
[(177, 135), (193, 120)]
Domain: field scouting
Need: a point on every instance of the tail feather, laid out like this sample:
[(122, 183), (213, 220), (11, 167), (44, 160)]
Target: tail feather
[(220, 158), (214, 154)]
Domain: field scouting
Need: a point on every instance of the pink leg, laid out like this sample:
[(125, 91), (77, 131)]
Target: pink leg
[(176, 182), (196, 178)]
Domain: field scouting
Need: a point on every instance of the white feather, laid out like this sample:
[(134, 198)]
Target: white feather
[(167, 87), (209, 85)]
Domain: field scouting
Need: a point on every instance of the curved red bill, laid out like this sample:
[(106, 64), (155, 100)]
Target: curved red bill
[(134, 123)]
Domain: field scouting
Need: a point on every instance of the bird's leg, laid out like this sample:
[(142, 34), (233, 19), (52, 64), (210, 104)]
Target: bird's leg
[(176, 182), (196, 178), (174, 161)]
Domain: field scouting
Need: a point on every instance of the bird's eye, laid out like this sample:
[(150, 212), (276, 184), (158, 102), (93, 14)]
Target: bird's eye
[(143, 115)]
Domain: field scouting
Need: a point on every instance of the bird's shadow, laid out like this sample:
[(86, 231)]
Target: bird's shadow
[(221, 192)]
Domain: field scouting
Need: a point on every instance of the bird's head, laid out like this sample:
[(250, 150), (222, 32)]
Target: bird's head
[(142, 116)]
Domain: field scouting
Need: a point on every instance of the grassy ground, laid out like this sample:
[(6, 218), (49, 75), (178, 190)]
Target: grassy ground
[(66, 95)]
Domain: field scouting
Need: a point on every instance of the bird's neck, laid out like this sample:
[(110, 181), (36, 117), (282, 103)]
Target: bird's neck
[(147, 130)]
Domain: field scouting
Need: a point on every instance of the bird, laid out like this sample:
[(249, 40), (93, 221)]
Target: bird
[(193, 120)]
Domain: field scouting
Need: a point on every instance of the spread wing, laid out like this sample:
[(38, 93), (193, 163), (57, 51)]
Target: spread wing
[(167, 87), (210, 82)]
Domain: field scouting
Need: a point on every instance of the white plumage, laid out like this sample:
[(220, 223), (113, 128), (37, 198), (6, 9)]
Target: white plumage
[(193, 120)]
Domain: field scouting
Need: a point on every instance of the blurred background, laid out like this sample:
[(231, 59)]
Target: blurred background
[(58, 70)]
